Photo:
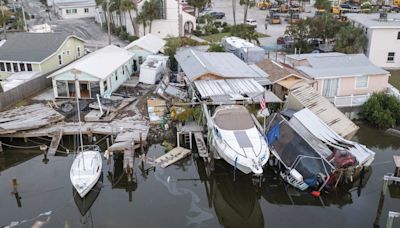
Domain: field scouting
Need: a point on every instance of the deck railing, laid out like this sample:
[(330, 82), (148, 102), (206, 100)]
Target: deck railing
[(393, 91), (350, 101)]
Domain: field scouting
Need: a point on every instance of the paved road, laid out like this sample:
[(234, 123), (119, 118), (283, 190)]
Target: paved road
[(274, 31), (84, 28)]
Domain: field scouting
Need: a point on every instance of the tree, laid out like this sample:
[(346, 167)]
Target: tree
[(322, 4), (197, 5), (128, 6), (247, 4), (152, 10), (251, 35), (381, 110), (234, 11), (351, 39), (143, 19), (324, 27), (300, 33), (216, 47), (5, 15)]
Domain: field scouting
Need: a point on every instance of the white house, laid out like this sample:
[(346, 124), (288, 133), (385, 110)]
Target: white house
[(145, 46), (174, 22), (76, 9), (100, 72), (383, 32)]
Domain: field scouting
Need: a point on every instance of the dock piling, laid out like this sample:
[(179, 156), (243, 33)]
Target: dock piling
[(14, 185), (1, 147)]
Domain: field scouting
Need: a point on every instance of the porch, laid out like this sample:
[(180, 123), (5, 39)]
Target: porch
[(71, 89), (349, 101)]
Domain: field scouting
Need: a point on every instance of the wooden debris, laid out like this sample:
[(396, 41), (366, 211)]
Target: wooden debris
[(28, 117), (55, 141), (172, 156), (111, 112), (201, 145)]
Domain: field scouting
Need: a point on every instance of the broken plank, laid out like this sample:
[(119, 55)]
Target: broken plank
[(172, 156), (201, 145), (55, 142)]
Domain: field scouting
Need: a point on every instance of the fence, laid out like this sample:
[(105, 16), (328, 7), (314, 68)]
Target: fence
[(23, 91)]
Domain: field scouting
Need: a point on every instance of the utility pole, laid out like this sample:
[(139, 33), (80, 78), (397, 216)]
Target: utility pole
[(234, 11), (108, 22), (23, 16), (4, 21)]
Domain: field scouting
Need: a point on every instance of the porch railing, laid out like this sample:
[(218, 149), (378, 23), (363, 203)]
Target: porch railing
[(350, 101), (393, 91)]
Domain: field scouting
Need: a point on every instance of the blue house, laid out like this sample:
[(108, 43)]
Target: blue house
[(100, 72)]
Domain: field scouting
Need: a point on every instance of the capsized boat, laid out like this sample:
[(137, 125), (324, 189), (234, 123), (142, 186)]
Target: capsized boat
[(86, 169), (236, 139)]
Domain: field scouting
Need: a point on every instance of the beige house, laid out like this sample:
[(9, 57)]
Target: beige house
[(38, 52), (346, 80), (281, 76)]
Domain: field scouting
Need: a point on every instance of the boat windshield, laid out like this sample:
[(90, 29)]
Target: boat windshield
[(237, 118)]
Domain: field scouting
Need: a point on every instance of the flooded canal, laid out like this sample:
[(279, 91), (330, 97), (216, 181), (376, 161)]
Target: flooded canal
[(183, 196)]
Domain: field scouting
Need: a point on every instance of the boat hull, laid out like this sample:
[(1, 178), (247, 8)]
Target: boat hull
[(85, 171)]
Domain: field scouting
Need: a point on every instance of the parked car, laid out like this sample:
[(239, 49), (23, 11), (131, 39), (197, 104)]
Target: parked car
[(252, 22), (217, 15)]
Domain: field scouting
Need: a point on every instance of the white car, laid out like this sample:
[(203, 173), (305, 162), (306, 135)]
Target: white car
[(252, 22)]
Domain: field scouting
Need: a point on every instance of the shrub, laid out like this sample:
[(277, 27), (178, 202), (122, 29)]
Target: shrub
[(381, 110), (215, 47), (132, 38), (197, 32), (214, 31), (227, 29), (124, 35)]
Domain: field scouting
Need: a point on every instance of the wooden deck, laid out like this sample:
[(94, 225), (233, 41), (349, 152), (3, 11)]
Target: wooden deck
[(172, 156), (28, 117)]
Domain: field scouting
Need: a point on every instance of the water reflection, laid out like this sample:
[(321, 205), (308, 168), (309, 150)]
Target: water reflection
[(84, 204)]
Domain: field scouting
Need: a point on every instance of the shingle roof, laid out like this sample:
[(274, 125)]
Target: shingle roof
[(100, 63), (195, 64), (149, 42), (31, 47), (276, 71), (340, 66)]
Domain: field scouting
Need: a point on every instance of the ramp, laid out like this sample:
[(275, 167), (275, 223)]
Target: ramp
[(201, 145)]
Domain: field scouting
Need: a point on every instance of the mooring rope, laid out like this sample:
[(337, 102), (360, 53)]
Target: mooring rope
[(20, 147)]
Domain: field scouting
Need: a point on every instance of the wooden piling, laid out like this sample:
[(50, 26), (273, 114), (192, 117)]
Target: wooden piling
[(14, 184), (1, 147), (108, 143)]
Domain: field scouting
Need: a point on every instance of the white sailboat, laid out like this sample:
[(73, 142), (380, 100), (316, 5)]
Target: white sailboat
[(237, 140), (87, 166)]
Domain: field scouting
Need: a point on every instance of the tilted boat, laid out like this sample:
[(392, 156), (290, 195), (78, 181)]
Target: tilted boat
[(86, 169), (236, 139)]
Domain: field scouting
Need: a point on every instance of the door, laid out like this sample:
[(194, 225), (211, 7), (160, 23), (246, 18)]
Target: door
[(330, 87)]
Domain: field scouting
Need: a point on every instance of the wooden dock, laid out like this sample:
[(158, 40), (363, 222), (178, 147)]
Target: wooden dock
[(172, 156), (201, 146)]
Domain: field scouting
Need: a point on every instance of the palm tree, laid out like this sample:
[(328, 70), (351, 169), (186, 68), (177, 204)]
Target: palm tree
[(252, 35), (152, 10), (247, 4), (234, 11), (351, 39), (197, 5), (5, 15), (128, 6), (143, 19)]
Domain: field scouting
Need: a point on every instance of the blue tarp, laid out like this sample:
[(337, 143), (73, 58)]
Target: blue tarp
[(274, 133)]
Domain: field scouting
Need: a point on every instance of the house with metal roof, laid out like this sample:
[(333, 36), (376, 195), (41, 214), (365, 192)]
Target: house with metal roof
[(281, 76), (38, 52), (145, 46), (100, 72), (197, 65), (383, 33), (70, 9), (346, 80)]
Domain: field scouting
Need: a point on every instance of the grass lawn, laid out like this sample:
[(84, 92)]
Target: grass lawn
[(217, 37)]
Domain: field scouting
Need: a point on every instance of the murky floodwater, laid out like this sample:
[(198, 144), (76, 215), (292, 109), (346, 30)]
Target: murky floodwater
[(183, 196)]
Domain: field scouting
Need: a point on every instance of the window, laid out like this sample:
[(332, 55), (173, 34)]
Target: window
[(140, 60), (78, 50), (67, 52), (361, 82), (60, 62), (2, 67), (123, 70), (15, 67), (22, 66), (105, 85), (68, 11), (398, 35), (8, 66), (116, 76), (74, 10), (390, 57), (86, 10), (29, 67), (62, 88)]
